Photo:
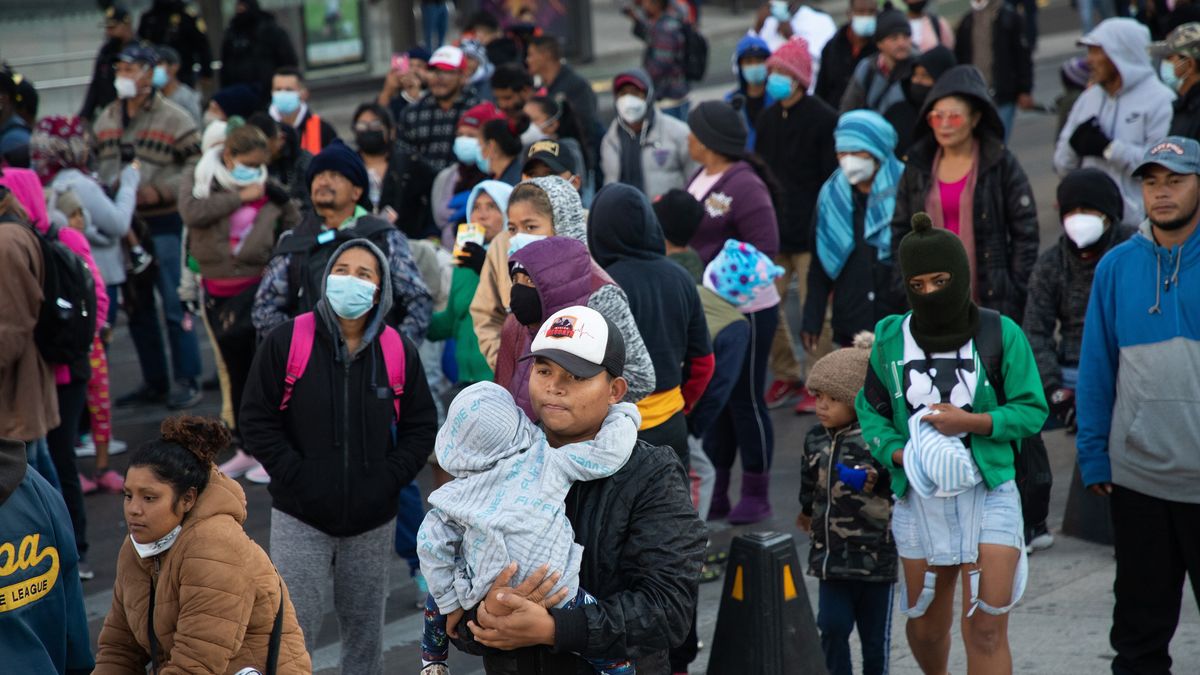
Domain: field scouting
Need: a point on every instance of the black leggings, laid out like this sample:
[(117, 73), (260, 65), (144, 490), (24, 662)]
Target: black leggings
[(72, 402)]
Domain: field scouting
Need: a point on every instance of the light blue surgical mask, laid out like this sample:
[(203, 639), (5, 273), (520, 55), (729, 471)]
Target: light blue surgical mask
[(863, 26), (1166, 71), (160, 78), (755, 73), (466, 149), (286, 102), (484, 164), (780, 10), (780, 86), (521, 240), (349, 297), (245, 175)]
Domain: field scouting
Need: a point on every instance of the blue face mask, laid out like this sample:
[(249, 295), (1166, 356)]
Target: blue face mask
[(466, 149), (286, 102), (160, 77), (349, 297), (780, 86), (1166, 71), (521, 240), (863, 26), (755, 73), (245, 175), (484, 164)]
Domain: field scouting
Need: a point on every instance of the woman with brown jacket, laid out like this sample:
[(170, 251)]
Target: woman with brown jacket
[(234, 215), (193, 593)]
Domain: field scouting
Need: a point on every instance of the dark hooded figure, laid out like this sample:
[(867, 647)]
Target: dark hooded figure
[(625, 238), (255, 46), (172, 23), (959, 171), (927, 68)]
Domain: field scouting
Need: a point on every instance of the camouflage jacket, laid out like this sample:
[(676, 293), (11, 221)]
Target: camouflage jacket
[(851, 531)]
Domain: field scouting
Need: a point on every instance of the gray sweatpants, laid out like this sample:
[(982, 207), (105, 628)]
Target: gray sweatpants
[(358, 567)]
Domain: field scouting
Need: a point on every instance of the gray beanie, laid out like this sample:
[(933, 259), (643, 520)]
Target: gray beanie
[(719, 127)]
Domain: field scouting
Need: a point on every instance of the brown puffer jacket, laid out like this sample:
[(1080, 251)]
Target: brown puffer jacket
[(216, 597)]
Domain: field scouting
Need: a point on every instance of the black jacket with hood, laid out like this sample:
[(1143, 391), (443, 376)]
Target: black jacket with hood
[(626, 239), (337, 457), (643, 548), (1005, 213)]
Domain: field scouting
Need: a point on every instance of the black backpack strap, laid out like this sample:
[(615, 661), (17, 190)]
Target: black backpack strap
[(989, 345), (276, 635), (937, 27)]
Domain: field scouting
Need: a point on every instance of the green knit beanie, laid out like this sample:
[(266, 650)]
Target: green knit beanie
[(946, 319)]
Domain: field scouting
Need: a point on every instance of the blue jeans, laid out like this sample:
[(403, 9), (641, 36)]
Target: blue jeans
[(37, 453), (1008, 113), (846, 604), (408, 521), (435, 19), (144, 328)]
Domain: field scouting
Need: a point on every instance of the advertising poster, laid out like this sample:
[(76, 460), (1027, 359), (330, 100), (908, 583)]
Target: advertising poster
[(333, 33)]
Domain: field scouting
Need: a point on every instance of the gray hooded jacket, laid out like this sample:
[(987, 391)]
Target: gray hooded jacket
[(666, 163)]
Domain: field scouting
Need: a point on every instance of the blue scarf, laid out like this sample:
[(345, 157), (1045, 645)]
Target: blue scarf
[(859, 130)]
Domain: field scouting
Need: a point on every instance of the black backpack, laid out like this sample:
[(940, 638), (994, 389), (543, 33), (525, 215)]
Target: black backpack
[(66, 322), (695, 53)]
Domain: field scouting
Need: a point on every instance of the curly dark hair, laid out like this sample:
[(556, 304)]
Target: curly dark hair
[(183, 454)]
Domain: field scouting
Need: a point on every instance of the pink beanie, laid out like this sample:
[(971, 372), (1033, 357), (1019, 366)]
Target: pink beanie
[(794, 59)]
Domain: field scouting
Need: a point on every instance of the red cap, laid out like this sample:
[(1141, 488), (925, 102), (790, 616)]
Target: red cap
[(477, 116)]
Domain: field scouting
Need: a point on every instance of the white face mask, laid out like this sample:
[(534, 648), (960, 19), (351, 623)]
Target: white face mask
[(979, 4), (857, 169), (126, 87), (1084, 229), (155, 547), (631, 108), (532, 135)]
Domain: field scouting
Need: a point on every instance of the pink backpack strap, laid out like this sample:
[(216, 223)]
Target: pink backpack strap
[(393, 359), (304, 330)]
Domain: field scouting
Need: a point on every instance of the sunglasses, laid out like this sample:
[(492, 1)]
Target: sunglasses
[(942, 118)]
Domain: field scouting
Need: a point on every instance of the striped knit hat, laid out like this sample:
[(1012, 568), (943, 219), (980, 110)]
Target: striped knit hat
[(865, 131)]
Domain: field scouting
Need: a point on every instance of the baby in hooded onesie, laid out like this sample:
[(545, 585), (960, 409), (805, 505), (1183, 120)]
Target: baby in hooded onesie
[(505, 504)]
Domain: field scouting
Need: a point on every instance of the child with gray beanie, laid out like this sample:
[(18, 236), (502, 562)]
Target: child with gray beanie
[(846, 505), (506, 504)]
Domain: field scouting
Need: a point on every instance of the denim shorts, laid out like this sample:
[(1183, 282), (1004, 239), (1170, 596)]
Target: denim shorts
[(952, 540)]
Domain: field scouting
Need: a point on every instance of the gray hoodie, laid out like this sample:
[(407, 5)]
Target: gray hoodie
[(1136, 118), (666, 163), (506, 501), (377, 313)]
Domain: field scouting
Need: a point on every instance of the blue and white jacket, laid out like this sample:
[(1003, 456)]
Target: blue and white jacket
[(1138, 399)]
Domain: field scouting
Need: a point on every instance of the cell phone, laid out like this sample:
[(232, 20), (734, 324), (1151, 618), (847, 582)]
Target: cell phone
[(400, 63), (468, 233)]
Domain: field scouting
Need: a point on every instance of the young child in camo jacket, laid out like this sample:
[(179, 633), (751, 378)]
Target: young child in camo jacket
[(846, 506)]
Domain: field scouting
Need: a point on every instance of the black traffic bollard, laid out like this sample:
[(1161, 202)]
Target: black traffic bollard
[(1087, 516), (765, 625)]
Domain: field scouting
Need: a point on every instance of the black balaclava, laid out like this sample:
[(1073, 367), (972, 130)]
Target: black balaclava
[(944, 320), (526, 305)]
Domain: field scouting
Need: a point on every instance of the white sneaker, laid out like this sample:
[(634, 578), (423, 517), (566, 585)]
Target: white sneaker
[(1040, 541), (86, 447), (116, 447), (258, 475), (237, 465)]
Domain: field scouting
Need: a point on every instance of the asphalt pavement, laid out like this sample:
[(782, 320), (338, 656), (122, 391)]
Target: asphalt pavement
[(1061, 626)]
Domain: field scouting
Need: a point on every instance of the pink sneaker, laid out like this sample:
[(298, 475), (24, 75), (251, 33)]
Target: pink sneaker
[(238, 465), (110, 482), (87, 485), (258, 475)]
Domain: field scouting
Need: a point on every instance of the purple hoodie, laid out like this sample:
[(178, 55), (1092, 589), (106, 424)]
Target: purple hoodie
[(561, 270), (737, 207)]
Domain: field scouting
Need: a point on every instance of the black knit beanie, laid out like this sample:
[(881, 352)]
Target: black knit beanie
[(679, 214), (1090, 189), (944, 320), (719, 127), (891, 22)]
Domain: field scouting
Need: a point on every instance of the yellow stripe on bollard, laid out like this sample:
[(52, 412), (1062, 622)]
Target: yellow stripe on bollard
[(789, 585), (736, 593)]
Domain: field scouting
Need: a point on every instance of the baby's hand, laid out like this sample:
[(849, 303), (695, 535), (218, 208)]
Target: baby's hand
[(452, 620)]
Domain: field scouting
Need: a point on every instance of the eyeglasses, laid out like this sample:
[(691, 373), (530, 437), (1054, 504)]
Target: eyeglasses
[(952, 118)]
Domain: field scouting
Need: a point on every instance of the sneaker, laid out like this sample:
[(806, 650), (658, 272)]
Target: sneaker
[(258, 475), (116, 447), (782, 391), (143, 395), (85, 571), (238, 465), (435, 668), (85, 447), (1039, 539), (87, 485), (422, 589), (110, 482), (185, 396), (139, 260), (807, 404)]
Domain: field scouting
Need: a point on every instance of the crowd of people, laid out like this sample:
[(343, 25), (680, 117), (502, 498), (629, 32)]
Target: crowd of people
[(581, 329)]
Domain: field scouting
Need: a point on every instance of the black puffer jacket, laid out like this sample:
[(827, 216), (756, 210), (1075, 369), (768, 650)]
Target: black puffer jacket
[(1012, 62), (1058, 299), (1005, 214), (643, 548)]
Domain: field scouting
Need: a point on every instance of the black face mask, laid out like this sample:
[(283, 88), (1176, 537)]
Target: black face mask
[(916, 7), (371, 142), (917, 93), (526, 305)]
